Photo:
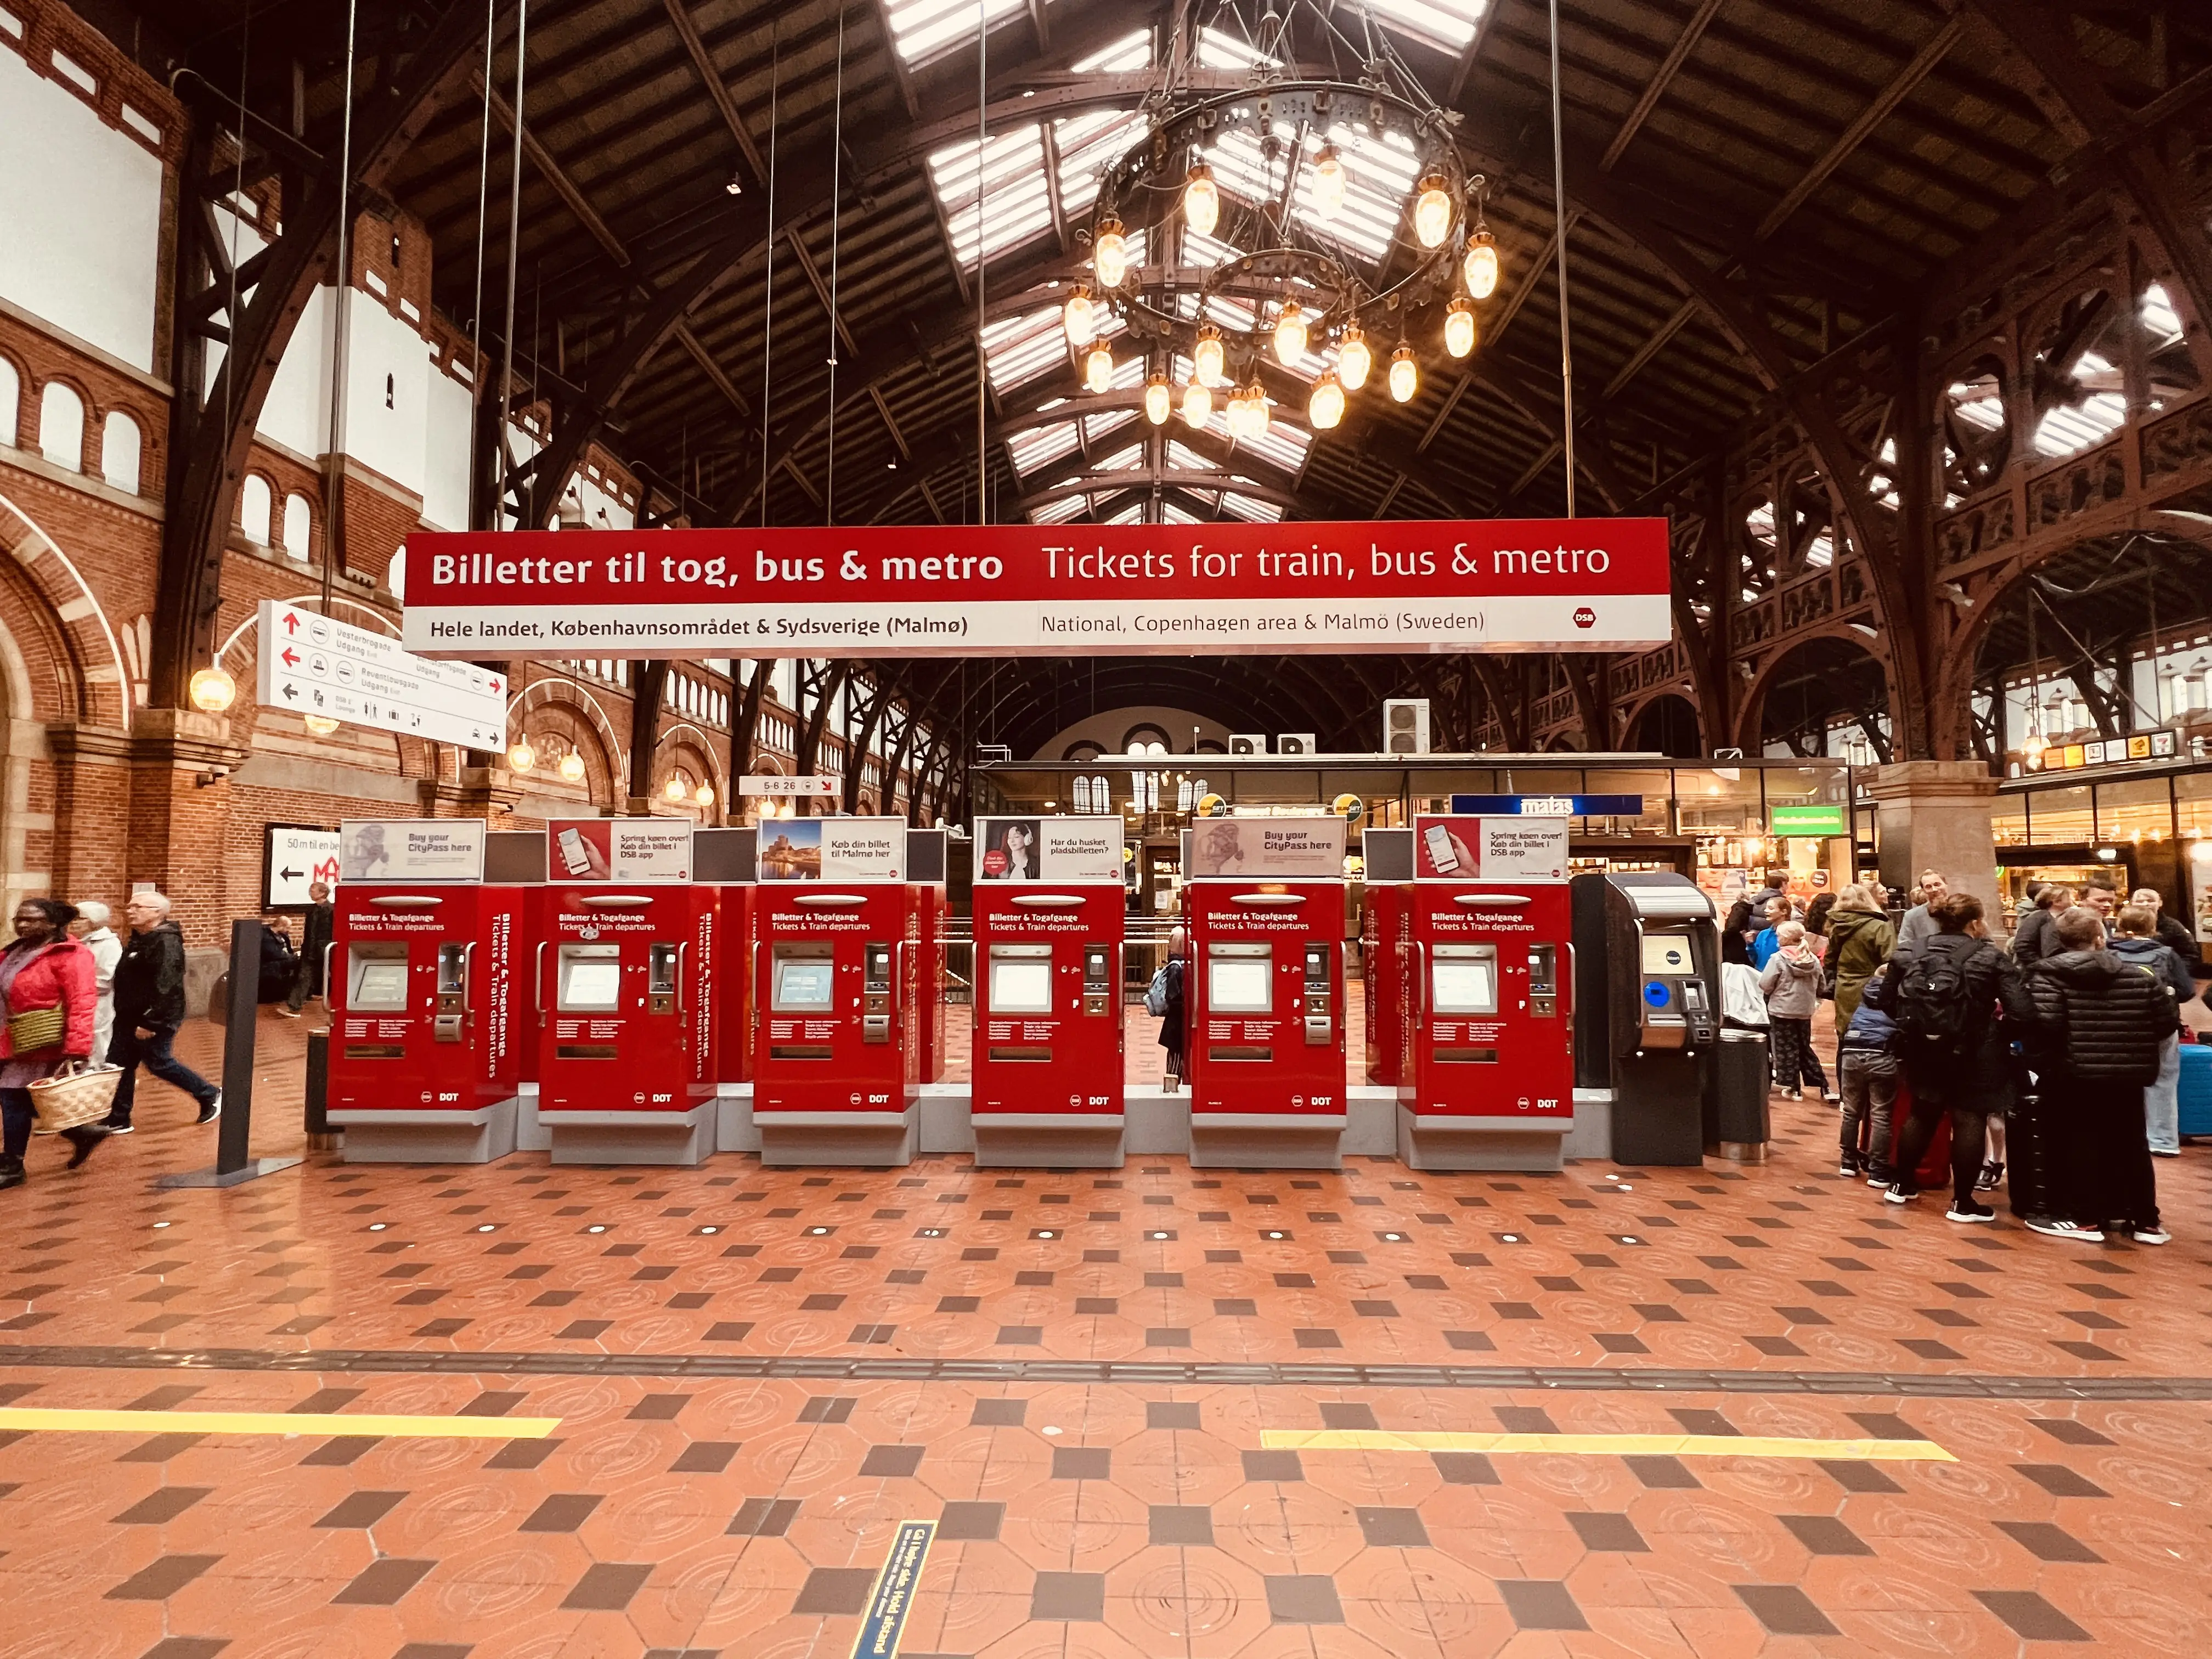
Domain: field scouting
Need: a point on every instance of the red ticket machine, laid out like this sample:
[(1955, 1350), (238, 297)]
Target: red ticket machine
[(425, 1056), (624, 979), (1263, 1029), (1488, 1081), (837, 1047), (1047, 1043)]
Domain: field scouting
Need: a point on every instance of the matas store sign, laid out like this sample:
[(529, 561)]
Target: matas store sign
[(1510, 584)]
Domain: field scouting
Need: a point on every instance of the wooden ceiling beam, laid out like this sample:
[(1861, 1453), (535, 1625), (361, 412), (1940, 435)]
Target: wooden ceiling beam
[(1656, 88), (679, 15), (564, 187)]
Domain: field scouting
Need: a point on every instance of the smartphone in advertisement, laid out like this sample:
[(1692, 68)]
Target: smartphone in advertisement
[(1441, 858), (572, 853)]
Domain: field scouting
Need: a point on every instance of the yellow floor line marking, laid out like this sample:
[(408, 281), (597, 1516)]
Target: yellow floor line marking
[(1622, 1445), (59, 1421)]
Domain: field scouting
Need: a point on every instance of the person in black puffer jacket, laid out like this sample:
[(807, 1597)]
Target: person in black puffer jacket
[(2101, 1024), (1970, 1073)]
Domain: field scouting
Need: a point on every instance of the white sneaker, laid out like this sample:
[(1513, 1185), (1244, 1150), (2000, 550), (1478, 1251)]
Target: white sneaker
[(2152, 1236), (2068, 1229)]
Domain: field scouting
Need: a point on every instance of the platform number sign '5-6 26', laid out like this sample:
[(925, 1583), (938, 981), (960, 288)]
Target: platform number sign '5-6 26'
[(295, 856)]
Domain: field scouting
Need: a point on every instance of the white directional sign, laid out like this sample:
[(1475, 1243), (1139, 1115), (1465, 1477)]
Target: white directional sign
[(782, 788), (312, 664)]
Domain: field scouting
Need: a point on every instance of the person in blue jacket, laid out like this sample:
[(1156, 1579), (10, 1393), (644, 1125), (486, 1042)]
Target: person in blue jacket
[(1768, 942)]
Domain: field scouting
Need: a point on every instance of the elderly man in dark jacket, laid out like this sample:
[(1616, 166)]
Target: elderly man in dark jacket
[(1958, 1002), (149, 1005), (2100, 1025)]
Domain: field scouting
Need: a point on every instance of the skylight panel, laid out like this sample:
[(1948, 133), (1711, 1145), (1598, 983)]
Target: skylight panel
[(1011, 179), (1183, 458), (1247, 508), (1981, 404), (1447, 23), (1096, 427), (1060, 512), (1134, 51), (922, 29), (1123, 460), (2068, 430), (1132, 514), (1088, 145), (1016, 350), (1041, 446), (1171, 512), (1217, 50), (2159, 320), (1283, 444)]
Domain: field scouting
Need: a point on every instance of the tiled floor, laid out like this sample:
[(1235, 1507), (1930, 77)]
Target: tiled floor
[(758, 1375)]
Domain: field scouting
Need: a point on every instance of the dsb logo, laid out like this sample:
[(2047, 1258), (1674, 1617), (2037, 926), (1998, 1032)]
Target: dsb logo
[(1584, 617)]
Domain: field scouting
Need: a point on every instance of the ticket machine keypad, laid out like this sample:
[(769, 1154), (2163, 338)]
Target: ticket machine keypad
[(660, 970), (452, 992), (1319, 1006), (876, 994), (1098, 980)]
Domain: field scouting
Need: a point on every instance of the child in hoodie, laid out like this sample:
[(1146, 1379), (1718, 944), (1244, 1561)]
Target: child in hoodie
[(1868, 1060), (1791, 983)]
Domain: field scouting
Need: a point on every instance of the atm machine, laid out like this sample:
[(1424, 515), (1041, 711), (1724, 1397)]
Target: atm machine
[(1263, 997), (1649, 974), (1488, 1079), (1047, 1045), (837, 1049), (1387, 857), (624, 979), (424, 1056)]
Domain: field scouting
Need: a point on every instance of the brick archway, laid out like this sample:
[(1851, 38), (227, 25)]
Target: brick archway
[(102, 678)]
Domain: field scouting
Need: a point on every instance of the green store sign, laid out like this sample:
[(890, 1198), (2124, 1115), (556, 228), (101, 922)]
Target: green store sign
[(1806, 821)]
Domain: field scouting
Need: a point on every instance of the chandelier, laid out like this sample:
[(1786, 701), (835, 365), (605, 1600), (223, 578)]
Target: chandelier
[(1314, 220)]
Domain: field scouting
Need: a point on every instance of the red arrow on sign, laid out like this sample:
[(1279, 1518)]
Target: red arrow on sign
[(291, 621), (289, 657), (494, 686)]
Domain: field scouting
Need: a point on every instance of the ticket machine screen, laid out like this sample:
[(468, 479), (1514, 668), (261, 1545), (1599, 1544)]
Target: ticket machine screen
[(378, 983), (1021, 979), (1669, 954), (1240, 984), (1463, 979), (591, 979), (803, 986)]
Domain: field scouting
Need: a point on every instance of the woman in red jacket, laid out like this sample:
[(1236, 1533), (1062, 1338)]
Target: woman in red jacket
[(45, 968)]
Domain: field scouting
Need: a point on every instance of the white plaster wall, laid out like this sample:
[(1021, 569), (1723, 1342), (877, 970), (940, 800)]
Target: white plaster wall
[(596, 500), (446, 452), (80, 216), (297, 411), (382, 349)]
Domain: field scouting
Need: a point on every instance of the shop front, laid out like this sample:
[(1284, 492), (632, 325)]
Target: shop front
[(2132, 825)]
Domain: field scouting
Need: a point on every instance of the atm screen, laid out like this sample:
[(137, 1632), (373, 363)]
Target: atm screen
[(379, 985), (1668, 954), (804, 985), (593, 985), (1240, 985), (1464, 987), (1021, 987)]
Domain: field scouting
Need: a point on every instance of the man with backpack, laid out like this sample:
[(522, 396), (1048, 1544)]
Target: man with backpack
[(1163, 1000), (2101, 1025), (1959, 1002)]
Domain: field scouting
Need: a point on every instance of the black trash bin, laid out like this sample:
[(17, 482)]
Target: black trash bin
[(1737, 1126)]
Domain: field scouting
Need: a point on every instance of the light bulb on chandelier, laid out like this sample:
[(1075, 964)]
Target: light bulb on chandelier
[(1459, 326), (1255, 409), (1325, 408), (1433, 213), (1197, 405), (1159, 402), (1291, 334), (673, 789), (1080, 318), (1098, 367), (1208, 357), (1327, 182), (572, 767), (1482, 265), (1405, 374), (1353, 360), (1201, 199), (1110, 253), (522, 757)]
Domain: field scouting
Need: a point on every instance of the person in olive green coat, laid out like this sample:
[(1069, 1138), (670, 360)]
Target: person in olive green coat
[(1860, 939)]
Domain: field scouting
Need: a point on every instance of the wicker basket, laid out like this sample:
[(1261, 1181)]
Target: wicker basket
[(74, 1096)]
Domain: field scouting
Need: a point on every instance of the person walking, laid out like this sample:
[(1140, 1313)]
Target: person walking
[(1868, 1064), (106, 950), (2101, 1025), (1918, 923), (315, 931), (149, 1006), (1172, 1020), (2138, 944), (1959, 1002), (1790, 982), (46, 993), (1860, 939)]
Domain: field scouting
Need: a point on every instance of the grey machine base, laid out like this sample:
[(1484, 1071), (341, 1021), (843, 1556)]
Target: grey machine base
[(1266, 1140), (1437, 1141), (476, 1137), (678, 1139), (530, 1135), (875, 1140), (1592, 1135), (734, 1130), (1048, 1141)]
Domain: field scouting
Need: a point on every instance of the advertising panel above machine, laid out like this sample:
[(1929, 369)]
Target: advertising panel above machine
[(833, 849), (1456, 847), (630, 850), (1023, 849), (411, 849)]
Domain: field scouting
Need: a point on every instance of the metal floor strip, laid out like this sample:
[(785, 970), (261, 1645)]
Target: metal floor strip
[(1115, 1372)]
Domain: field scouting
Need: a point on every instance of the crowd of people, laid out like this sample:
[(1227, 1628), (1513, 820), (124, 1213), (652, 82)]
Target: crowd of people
[(2062, 1043)]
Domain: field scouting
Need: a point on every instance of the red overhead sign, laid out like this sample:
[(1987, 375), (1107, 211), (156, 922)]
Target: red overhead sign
[(968, 590)]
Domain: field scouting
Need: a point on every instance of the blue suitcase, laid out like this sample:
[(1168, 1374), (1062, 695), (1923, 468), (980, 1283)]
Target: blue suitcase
[(2197, 1089)]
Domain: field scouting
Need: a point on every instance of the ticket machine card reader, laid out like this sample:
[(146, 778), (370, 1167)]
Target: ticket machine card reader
[(1321, 1008), (1098, 981), (1544, 981), (878, 997), (452, 992), (1677, 1010)]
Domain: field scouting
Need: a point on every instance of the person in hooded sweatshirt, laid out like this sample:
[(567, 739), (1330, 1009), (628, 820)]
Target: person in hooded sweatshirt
[(2101, 1024), (1868, 1061), (2140, 941), (1959, 1002), (1791, 984)]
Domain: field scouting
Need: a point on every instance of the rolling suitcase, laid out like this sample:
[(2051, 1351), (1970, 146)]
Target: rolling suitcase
[(2027, 1161), (2196, 1089)]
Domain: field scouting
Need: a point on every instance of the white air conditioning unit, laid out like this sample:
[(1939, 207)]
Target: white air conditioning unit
[(1406, 726), (1248, 743), (1296, 743)]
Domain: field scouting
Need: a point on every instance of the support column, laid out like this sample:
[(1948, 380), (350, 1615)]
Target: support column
[(489, 793), (1934, 815)]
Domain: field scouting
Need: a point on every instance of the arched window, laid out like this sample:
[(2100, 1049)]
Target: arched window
[(61, 426), (120, 447), (254, 505), (296, 525), (11, 398)]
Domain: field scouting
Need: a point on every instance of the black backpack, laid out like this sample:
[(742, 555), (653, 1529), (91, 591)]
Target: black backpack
[(1932, 1007)]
